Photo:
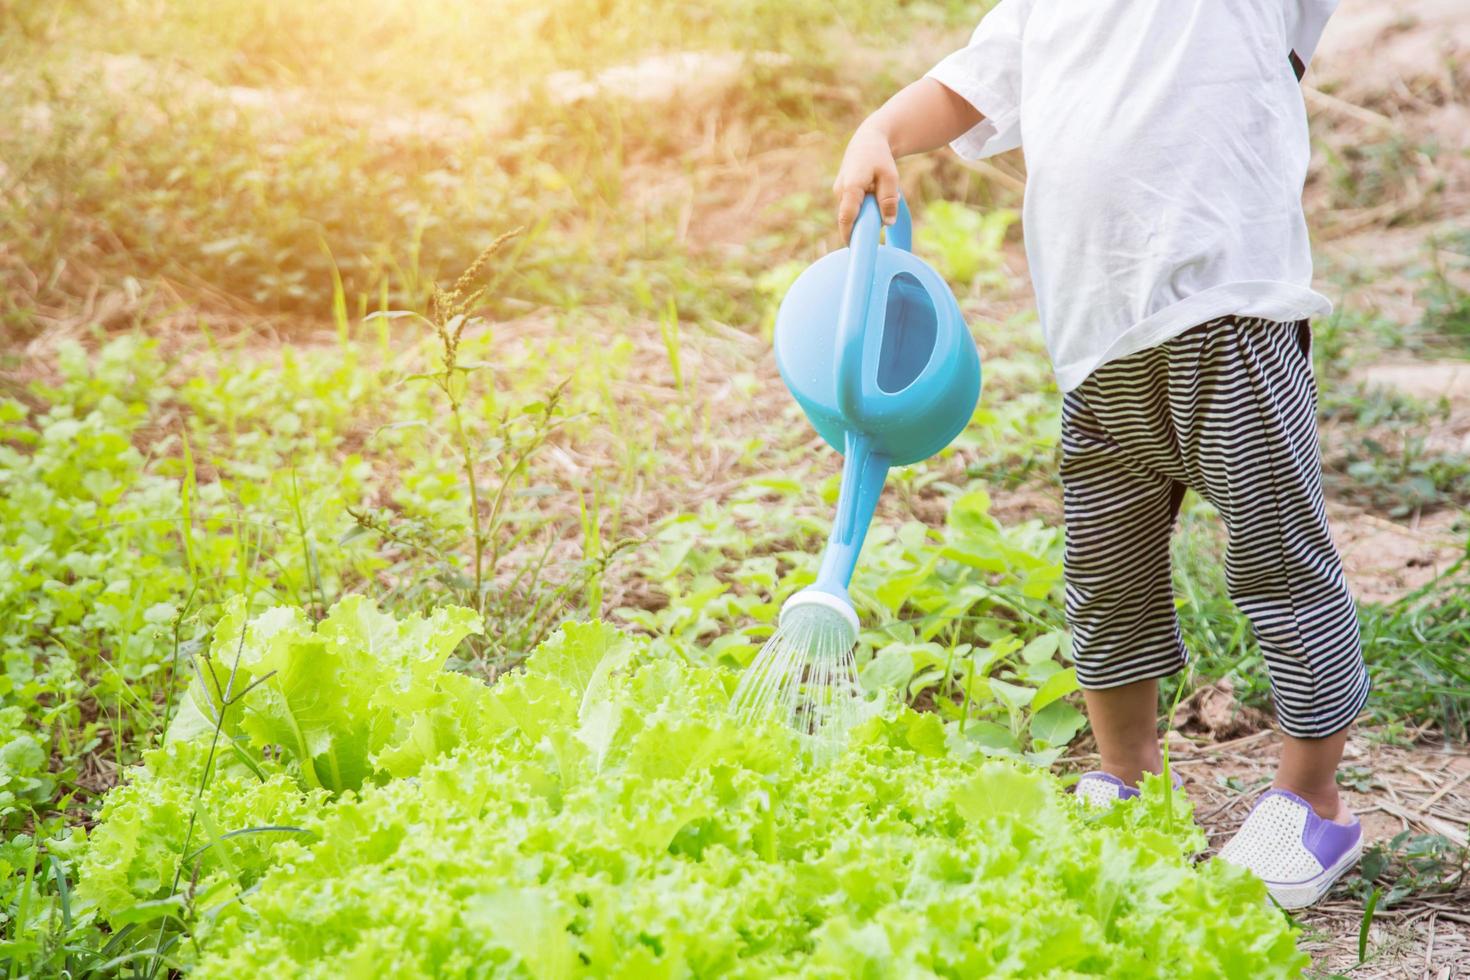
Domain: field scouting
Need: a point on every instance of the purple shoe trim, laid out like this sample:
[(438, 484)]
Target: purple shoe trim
[(1125, 792), (1176, 779), (1327, 840)]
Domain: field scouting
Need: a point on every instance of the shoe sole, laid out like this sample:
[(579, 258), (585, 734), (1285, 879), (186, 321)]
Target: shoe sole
[(1300, 894)]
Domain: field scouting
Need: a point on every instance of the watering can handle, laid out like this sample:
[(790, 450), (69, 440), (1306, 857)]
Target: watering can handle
[(901, 232), (853, 313)]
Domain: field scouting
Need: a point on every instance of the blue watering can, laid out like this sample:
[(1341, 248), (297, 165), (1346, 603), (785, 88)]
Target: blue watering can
[(873, 346)]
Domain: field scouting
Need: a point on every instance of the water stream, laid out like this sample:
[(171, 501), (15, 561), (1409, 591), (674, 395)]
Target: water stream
[(805, 675)]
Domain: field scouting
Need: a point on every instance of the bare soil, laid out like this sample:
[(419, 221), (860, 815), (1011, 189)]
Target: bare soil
[(1385, 559)]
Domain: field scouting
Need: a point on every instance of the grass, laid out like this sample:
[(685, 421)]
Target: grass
[(245, 190), (1445, 297), (1373, 174), (1417, 649), (1376, 452)]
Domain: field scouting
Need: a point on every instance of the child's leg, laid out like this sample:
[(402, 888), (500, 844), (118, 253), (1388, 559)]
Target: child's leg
[(1124, 722), (1229, 409), (1251, 444), (1309, 769), (1120, 596)]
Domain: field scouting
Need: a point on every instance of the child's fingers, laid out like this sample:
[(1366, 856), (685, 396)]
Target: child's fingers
[(849, 199), (888, 195)]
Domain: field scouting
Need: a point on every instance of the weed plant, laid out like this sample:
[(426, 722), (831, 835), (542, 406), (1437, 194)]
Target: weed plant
[(1445, 293), (506, 581), (1409, 864)]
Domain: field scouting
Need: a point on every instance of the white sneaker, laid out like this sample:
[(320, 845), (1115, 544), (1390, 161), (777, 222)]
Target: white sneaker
[(1100, 790), (1298, 855)]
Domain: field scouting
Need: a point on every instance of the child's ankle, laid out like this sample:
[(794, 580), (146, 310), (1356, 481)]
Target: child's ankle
[(1325, 801), (1132, 770)]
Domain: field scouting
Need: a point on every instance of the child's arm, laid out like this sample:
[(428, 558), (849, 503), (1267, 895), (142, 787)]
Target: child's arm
[(923, 116)]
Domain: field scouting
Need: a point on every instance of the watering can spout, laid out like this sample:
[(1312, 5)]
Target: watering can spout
[(873, 346), (863, 471)]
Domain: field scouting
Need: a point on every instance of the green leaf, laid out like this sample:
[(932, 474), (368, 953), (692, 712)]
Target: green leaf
[(1055, 687), (1013, 696), (991, 735), (1043, 648), (573, 655), (150, 911), (1000, 790), (891, 668), (336, 697), (1365, 924), (1056, 724), (604, 813)]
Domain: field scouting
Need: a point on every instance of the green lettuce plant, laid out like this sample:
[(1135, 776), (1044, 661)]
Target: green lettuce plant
[(599, 812)]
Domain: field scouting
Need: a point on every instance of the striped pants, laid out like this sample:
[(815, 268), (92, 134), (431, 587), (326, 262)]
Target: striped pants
[(1227, 408)]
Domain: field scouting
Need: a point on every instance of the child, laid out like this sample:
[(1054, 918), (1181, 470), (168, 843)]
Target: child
[(1166, 148)]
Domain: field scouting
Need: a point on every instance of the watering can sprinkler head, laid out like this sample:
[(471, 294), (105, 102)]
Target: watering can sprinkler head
[(819, 606)]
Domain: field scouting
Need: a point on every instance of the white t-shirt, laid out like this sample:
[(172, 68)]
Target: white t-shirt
[(1166, 148)]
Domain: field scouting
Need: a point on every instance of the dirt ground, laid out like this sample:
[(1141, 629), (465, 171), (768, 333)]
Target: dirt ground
[(1385, 559)]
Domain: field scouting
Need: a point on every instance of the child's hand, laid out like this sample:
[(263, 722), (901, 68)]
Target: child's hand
[(923, 116), (867, 167)]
